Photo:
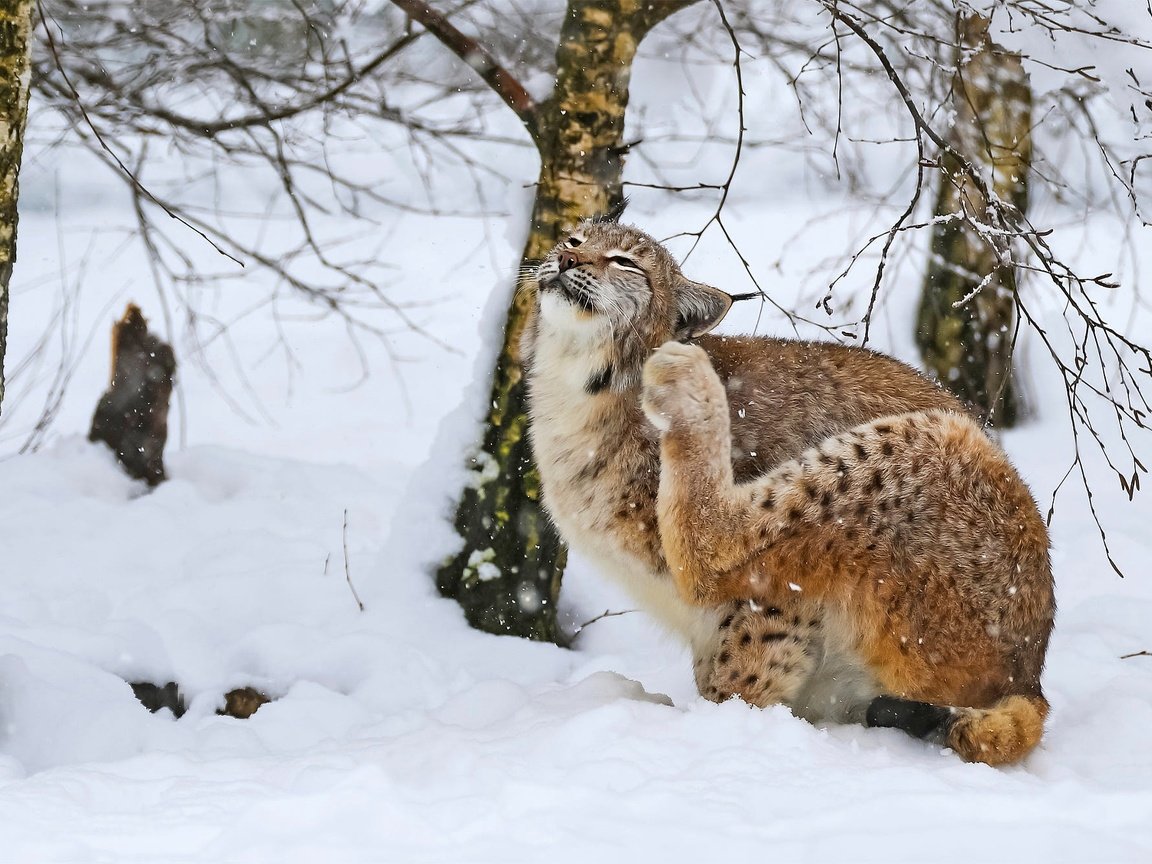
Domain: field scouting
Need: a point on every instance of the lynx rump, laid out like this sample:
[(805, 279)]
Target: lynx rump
[(826, 528)]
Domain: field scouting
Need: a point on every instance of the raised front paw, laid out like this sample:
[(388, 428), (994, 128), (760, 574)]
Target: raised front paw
[(680, 386)]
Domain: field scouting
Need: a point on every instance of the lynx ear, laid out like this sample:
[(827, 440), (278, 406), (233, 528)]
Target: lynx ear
[(614, 214), (699, 308)]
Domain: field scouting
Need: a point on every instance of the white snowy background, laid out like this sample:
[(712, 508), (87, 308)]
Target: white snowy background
[(398, 733)]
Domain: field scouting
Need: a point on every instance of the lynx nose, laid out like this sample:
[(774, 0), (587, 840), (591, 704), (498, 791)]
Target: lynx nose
[(567, 260)]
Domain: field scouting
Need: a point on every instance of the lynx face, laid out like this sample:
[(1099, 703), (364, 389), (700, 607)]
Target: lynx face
[(612, 293)]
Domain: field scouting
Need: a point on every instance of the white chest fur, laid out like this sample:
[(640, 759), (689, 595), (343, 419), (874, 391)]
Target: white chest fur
[(570, 429)]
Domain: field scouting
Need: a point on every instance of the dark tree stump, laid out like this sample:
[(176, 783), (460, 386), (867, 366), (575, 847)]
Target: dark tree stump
[(132, 416), (240, 703), (156, 697), (243, 702)]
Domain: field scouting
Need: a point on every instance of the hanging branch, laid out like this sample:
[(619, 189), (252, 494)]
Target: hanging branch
[(1000, 225), (478, 58)]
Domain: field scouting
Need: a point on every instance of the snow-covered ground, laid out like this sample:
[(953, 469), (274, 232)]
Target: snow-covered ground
[(397, 733)]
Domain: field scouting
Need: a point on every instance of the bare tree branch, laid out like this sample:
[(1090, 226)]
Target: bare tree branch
[(478, 58)]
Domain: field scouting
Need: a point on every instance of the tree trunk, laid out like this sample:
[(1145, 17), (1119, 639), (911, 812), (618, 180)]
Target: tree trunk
[(15, 48), (507, 573), (964, 330)]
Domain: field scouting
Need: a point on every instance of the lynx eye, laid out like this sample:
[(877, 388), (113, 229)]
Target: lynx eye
[(574, 241), (621, 261)]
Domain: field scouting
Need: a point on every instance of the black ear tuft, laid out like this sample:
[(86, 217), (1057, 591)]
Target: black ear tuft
[(614, 214), (699, 308)]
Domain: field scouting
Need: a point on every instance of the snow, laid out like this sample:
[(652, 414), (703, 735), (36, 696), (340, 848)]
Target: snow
[(398, 733)]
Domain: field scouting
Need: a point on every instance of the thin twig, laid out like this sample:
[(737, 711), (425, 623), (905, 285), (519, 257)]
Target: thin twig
[(347, 571), (211, 128), (99, 137), (605, 614)]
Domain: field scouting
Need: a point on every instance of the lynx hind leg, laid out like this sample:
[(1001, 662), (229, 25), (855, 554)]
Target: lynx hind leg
[(766, 654), (682, 388)]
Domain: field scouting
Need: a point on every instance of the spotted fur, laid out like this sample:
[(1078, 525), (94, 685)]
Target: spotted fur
[(821, 524)]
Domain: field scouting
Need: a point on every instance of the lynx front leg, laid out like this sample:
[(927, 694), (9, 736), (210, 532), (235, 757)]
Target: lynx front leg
[(703, 517)]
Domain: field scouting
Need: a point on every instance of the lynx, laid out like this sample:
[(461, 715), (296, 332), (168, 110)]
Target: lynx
[(825, 527)]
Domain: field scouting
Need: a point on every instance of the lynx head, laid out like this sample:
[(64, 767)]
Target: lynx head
[(612, 294)]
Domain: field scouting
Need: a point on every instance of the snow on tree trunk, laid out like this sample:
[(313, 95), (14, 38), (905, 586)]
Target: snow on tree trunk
[(966, 317), (507, 573), (15, 47)]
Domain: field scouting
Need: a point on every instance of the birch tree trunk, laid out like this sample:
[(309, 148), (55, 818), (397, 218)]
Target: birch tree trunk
[(15, 47), (964, 329), (507, 573)]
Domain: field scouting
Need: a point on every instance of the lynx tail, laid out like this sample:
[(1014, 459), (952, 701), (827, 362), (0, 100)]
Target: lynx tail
[(999, 735)]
